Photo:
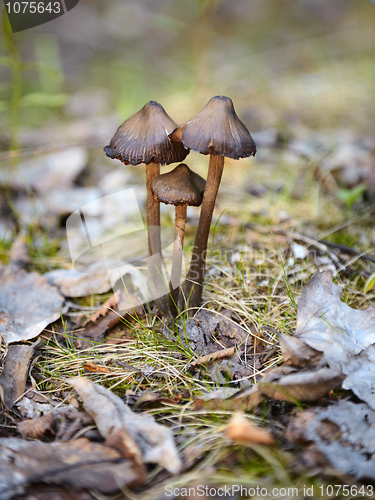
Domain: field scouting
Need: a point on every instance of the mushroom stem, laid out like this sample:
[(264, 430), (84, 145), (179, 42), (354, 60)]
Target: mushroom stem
[(155, 271), (153, 210), (180, 222), (193, 287)]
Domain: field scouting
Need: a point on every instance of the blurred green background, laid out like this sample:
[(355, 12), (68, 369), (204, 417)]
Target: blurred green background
[(309, 62), (301, 75)]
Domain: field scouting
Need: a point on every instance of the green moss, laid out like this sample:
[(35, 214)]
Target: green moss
[(343, 237)]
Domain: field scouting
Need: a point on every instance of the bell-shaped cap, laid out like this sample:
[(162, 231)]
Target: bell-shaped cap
[(143, 138), (181, 186), (216, 130)]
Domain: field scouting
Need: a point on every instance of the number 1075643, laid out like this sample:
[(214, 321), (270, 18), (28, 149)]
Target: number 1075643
[(33, 7)]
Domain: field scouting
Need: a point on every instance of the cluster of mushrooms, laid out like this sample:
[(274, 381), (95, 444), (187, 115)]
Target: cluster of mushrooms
[(153, 138)]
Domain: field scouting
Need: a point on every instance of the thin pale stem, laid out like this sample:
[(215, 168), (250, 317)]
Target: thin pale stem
[(180, 222), (194, 281), (155, 271), (153, 210)]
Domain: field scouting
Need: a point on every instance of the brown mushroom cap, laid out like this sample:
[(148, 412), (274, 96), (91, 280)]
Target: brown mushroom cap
[(216, 130), (143, 138), (181, 186)]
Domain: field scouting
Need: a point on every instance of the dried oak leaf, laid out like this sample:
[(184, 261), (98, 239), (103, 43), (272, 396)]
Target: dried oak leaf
[(78, 464), (343, 433), (111, 415), (284, 384), (345, 336), (28, 303), (288, 384)]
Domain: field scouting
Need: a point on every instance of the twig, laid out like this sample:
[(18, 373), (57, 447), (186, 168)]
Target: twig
[(348, 250), (310, 241), (270, 353), (48, 148), (351, 261), (223, 353)]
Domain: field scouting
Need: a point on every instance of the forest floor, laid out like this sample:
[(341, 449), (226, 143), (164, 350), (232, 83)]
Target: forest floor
[(289, 225), (260, 257)]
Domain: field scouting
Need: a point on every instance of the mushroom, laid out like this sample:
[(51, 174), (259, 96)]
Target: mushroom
[(181, 187), (217, 131), (143, 138)]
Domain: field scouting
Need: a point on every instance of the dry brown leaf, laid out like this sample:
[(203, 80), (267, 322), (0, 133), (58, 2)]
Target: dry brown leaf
[(47, 171), (345, 336), (350, 163), (122, 302), (229, 399), (240, 430), (283, 384), (297, 353), (14, 374), (78, 464), (73, 283), (111, 414), (342, 434), (299, 385), (37, 428), (119, 305), (328, 333), (91, 367), (151, 399), (209, 332), (51, 492), (96, 332), (28, 303), (28, 408), (111, 303), (123, 442), (62, 421)]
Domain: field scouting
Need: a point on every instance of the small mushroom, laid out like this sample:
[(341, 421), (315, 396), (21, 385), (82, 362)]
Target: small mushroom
[(181, 187), (217, 131), (143, 138)]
